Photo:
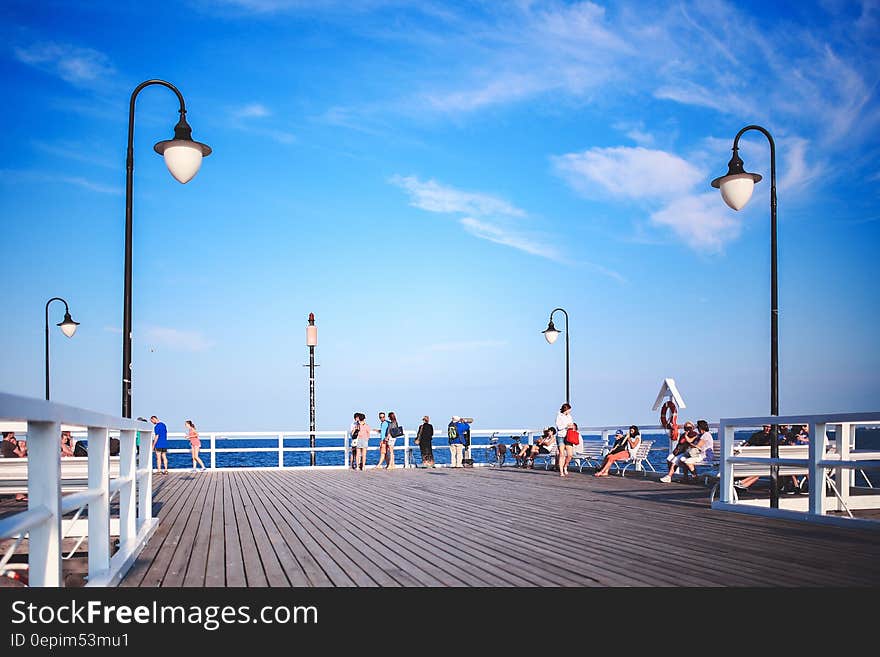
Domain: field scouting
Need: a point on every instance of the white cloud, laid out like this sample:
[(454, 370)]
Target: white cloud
[(79, 66), (434, 197), (514, 239), (701, 221), (251, 111), (629, 172), (176, 339), (11, 176)]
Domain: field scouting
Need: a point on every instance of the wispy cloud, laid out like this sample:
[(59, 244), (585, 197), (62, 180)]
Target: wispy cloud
[(250, 111), (248, 118), (434, 197), (507, 237), (176, 339), (78, 66), (630, 172), (75, 151), (11, 176)]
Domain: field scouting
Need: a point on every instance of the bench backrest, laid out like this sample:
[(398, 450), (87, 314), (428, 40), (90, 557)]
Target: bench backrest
[(590, 448), (763, 451), (643, 449), (74, 472)]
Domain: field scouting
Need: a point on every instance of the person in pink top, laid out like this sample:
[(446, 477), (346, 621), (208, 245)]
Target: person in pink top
[(194, 444)]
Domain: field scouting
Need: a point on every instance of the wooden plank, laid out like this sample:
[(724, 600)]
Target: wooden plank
[(198, 562), (215, 568), (167, 504), (235, 575), (265, 548), (253, 565), (190, 492)]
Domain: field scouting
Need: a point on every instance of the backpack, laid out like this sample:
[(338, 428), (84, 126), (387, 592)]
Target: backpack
[(452, 432), (79, 449)]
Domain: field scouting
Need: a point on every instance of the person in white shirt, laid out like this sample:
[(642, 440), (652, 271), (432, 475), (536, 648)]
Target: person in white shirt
[(563, 422)]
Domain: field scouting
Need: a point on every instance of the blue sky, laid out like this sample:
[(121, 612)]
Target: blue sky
[(431, 180)]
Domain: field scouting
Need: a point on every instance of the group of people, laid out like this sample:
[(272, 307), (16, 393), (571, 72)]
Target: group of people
[(160, 445), (694, 446), (796, 434), (360, 432), (389, 431)]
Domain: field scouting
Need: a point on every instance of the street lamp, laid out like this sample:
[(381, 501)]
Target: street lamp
[(550, 334), (183, 157), (736, 189), (68, 328)]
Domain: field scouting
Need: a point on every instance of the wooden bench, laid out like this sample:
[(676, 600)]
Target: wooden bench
[(74, 473)]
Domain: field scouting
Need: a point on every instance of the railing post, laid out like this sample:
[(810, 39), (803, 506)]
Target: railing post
[(99, 507), (817, 474), (127, 499), (213, 450), (405, 449), (145, 484), (44, 490), (605, 434), (844, 476), (346, 449), (725, 481), (280, 450)]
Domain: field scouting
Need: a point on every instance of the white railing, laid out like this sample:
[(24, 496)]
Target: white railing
[(830, 465), (43, 522)]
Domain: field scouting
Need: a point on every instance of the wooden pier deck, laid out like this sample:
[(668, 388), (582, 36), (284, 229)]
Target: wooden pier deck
[(477, 527)]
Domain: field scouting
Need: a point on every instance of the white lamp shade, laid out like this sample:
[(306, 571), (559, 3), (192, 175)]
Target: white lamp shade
[(551, 336), (736, 190), (183, 159), (68, 328), (311, 336)]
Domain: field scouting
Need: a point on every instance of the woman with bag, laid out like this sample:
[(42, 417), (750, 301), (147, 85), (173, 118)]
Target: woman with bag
[(563, 422), (624, 448), (363, 441), (566, 448), (392, 433)]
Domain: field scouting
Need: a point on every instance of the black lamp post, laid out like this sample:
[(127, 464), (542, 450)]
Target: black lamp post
[(68, 327), (311, 343), (736, 190), (183, 157), (550, 333)]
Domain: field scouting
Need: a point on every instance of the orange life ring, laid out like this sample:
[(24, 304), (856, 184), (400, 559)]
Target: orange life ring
[(670, 423)]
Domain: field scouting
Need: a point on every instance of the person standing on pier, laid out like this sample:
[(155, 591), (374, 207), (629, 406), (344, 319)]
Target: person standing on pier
[(456, 442), (363, 441), (353, 432), (563, 422), (383, 445), (392, 433), (194, 444), (160, 445), (424, 438)]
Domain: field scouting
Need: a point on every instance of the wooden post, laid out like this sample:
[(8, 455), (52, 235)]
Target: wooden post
[(844, 476), (99, 507), (817, 474), (145, 484), (127, 499), (727, 434), (44, 490)]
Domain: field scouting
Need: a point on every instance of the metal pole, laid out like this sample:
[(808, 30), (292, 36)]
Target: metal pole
[(567, 384), (312, 403), (774, 313), (66, 310), (129, 187)]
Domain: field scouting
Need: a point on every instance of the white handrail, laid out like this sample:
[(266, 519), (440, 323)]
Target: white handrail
[(819, 463), (46, 506)]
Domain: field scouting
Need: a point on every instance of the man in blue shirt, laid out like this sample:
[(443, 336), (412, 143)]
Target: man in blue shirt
[(463, 429), (160, 444), (456, 441), (383, 443)]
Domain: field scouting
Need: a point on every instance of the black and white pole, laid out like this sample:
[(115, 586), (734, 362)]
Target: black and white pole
[(311, 342)]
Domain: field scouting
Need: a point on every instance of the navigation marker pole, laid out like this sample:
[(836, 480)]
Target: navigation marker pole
[(311, 343)]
